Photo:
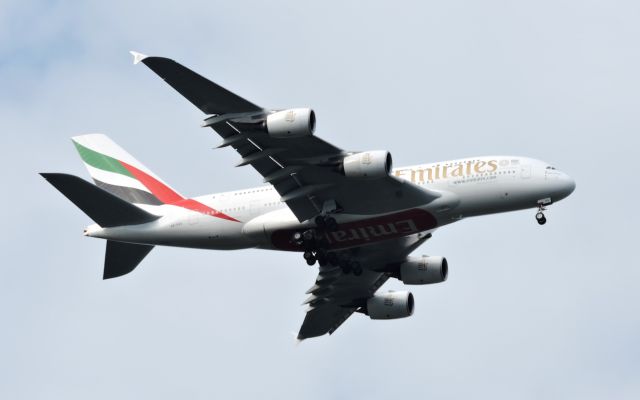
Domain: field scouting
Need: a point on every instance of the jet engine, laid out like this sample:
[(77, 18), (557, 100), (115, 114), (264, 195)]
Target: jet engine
[(390, 305), (368, 165), (295, 122), (423, 270)]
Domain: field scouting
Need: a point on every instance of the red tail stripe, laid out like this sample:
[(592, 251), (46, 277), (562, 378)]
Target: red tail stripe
[(203, 209), (160, 190), (166, 195)]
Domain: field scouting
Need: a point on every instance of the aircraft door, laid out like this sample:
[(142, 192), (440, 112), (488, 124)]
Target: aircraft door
[(525, 171)]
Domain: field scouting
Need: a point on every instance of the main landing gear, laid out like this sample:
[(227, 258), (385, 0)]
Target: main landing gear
[(315, 246)]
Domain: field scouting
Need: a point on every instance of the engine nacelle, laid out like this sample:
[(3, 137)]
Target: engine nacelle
[(294, 122), (368, 164), (424, 270), (390, 305)]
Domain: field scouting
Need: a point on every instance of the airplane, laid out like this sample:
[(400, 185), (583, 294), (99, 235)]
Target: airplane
[(348, 212)]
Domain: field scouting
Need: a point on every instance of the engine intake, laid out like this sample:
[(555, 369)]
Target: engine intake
[(424, 270), (368, 165), (295, 122), (390, 305)]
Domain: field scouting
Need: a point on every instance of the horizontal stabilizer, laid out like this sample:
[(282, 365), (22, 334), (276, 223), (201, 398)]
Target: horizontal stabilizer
[(106, 209), (201, 92), (122, 258)]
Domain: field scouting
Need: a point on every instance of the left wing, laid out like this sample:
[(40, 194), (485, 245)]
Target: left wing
[(333, 299), (304, 170), (336, 295)]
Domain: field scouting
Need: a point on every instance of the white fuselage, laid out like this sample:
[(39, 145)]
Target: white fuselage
[(468, 187)]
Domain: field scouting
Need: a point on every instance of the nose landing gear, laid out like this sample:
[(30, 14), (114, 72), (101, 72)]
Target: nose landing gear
[(541, 209), (541, 218)]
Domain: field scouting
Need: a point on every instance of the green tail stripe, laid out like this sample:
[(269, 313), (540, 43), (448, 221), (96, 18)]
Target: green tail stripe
[(101, 161)]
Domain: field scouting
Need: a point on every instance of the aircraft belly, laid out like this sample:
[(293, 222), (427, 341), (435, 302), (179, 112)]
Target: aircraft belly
[(203, 232), (358, 230), (497, 196)]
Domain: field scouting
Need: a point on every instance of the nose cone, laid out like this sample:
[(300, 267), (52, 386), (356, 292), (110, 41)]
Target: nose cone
[(565, 185), (570, 183)]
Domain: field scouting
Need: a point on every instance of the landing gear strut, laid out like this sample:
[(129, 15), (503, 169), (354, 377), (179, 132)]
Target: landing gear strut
[(313, 241), (314, 244), (541, 209), (540, 215)]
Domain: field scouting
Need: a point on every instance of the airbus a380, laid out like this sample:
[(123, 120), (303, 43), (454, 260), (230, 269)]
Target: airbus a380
[(351, 213)]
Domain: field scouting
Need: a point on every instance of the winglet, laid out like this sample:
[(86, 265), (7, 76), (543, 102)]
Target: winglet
[(297, 339), (137, 57)]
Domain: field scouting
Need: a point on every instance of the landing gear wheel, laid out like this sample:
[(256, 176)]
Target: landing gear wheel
[(541, 218), (311, 261), (320, 222), (307, 255)]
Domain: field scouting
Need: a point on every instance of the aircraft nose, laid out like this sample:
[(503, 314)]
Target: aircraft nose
[(571, 184), (567, 185), (559, 184)]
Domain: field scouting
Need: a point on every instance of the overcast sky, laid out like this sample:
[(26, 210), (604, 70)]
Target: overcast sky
[(528, 312)]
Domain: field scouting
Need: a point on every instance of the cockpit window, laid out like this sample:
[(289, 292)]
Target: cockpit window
[(550, 167)]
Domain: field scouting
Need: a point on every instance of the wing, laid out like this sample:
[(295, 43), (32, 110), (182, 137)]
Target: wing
[(335, 295), (204, 94), (303, 170)]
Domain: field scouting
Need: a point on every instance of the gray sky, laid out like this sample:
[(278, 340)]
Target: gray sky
[(528, 312)]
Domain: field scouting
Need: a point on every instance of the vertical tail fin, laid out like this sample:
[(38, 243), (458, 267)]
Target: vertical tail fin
[(117, 172)]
